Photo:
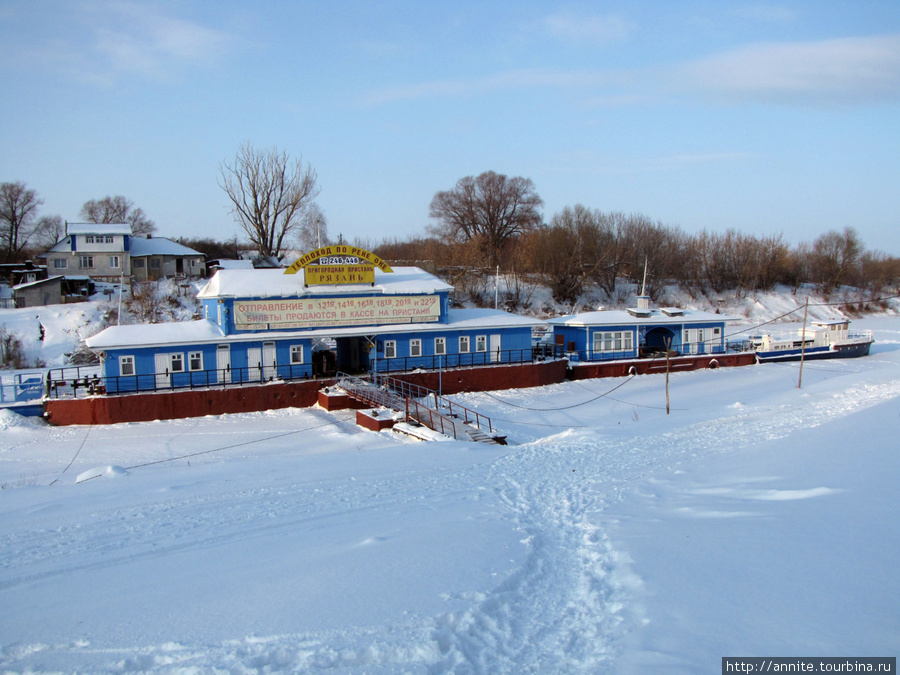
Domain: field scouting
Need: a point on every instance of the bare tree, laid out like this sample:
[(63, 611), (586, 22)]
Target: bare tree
[(118, 209), (18, 218), (835, 257), (491, 209), (313, 230), (269, 195), (49, 231)]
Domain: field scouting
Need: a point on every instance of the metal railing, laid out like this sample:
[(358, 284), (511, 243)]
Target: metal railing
[(75, 381), (418, 393), (420, 404), (646, 352), (495, 357), (87, 381), (24, 387)]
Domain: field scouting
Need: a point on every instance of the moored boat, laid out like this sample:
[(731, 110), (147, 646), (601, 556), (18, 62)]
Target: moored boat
[(824, 340)]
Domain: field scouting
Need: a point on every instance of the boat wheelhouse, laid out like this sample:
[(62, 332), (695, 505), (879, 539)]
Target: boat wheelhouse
[(824, 340)]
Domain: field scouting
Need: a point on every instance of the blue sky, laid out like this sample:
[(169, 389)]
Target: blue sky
[(768, 118)]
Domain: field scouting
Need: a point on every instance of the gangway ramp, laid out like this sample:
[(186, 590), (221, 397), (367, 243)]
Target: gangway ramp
[(420, 405)]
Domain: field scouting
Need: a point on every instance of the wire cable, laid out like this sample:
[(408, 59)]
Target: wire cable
[(230, 447), (568, 407), (77, 452)]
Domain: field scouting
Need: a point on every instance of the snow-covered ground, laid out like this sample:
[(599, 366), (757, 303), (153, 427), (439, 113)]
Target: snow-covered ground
[(755, 519)]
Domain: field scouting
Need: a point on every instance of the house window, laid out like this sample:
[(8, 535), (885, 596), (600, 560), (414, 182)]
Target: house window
[(481, 343), (60, 263), (613, 341), (195, 360), (440, 345), (110, 239), (415, 347), (463, 344), (89, 239), (137, 262), (296, 354), (86, 262), (126, 365), (176, 363), (154, 263), (114, 261), (390, 349)]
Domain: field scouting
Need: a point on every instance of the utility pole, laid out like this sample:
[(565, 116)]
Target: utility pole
[(803, 345)]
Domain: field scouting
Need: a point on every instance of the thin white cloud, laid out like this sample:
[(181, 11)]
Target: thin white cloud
[(505, 81), (845, 70), (568, 26), (103, 41), (763, 13)]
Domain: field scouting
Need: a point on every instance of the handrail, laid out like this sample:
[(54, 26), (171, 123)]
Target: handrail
[(414, 399)]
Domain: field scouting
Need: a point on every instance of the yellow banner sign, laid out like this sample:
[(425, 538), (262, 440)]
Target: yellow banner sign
[(339, 255), (339, 274), (333, 312)]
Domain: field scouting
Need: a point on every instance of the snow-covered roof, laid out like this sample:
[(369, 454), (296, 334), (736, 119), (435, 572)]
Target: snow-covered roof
[(229, 264), (98, 228), (151, 334), (276, 284), (38, 282), (141, 247), (204, 330), (616, 317)]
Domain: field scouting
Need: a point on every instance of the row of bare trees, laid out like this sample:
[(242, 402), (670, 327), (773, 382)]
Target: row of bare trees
[(582, 247), (24, 232)]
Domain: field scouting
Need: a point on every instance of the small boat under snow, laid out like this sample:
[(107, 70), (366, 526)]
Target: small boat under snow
[(824, 340)]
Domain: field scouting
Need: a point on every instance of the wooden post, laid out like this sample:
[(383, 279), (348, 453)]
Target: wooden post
[(668, 349), (803, 345)]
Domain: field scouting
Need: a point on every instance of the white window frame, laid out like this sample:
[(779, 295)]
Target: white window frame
[(89, 259), (415, 347), (613, 341), (114, 262), (296, 354), (440, 346), (88, 239), (110, 239), (390, 349), (481, 343), (126, 363), (195, 356), (464, 344), (60, 263), (177, 357)]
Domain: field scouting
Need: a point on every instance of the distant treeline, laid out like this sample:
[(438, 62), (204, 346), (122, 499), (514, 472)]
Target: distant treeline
[(584, 247)]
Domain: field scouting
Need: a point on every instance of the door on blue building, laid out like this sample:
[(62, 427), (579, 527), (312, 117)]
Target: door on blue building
[(254, 364), (495, 348), (270, 365), (163, 378), (223, 363)]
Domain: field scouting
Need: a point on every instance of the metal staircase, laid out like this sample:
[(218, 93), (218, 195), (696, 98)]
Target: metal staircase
[(421, 405)]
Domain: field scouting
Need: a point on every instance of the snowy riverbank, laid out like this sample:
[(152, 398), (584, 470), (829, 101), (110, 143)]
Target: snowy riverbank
[(755, 519)]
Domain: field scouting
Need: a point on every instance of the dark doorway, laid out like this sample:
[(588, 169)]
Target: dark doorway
[(353, 354), (656, 341)]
